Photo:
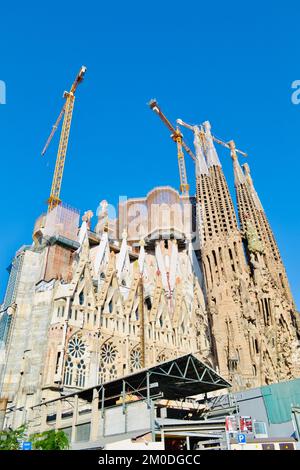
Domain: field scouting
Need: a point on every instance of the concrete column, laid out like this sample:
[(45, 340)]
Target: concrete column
[(102, 432), (95, 416), (30, 414), (74, 420), (67, 307), (58, 414), (163, 437), (3, 405), (127, 354), (43, 417)]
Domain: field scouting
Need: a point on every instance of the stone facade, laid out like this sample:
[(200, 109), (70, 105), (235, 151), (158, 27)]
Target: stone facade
[(254, 324), (170, 275)]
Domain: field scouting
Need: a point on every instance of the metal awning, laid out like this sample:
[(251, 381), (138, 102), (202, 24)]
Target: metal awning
[(181, 377)]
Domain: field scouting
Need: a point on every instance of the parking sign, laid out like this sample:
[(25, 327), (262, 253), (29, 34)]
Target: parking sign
[(26, 446), (241, 438)]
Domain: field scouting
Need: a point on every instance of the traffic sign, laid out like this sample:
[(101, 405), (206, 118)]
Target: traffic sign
[(26, 446), (241, 438)]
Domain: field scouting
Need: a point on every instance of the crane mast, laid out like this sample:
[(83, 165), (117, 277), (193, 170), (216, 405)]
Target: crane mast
[(67, 112), (177, 138)]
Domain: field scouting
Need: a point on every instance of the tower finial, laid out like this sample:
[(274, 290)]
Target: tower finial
[(87, 216), (239, 177), (232, 147), (201, 166), (247, 172), (211, 153)]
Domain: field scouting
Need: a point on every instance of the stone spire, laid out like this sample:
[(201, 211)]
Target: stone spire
[(249, 181), (276, 266), (223, 261), (252, 214), (246, 202), (223, 199), (208, 219)]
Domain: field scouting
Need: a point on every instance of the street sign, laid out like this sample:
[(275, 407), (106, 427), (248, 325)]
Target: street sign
[(26, 446), (246, 424), (231, 423), (241, 438)]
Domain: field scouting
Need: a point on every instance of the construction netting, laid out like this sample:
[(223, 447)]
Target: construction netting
[(61, 224), (279, 399)]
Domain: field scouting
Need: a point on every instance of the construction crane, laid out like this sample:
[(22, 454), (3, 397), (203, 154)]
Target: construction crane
[(230, 144), (67, 112), (177, 137)]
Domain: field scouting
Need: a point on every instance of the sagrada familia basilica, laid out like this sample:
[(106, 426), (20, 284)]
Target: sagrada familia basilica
[(169, 274)]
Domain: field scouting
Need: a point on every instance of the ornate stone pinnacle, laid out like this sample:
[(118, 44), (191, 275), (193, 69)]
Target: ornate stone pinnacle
[(103, 205)]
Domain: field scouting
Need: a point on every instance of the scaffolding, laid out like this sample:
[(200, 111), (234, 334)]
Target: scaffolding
[(10, 295), (62, 220), (61, 230)]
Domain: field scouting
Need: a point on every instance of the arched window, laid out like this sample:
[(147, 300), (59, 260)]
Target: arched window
[(68, 377), (81, 298), (231, 259), (80, 376), (107, 367), (148, 302), (209, 265), (75, 367)]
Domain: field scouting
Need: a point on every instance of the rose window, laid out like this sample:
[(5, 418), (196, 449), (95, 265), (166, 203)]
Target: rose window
[(108, 353), (135, 359), (76, 347)]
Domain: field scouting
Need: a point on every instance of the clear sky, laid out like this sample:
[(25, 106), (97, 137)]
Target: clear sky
[(229, 62)]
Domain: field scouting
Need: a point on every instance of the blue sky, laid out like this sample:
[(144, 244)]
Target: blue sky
[(227, 62)]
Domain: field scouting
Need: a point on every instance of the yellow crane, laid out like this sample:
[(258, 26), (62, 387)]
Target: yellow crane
[(177, 137), (230, 144), (67, 112)]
